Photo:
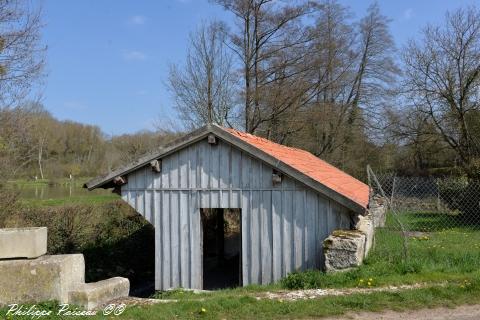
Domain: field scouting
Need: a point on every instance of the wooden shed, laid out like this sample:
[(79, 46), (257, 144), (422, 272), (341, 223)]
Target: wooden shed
[(286, 202)]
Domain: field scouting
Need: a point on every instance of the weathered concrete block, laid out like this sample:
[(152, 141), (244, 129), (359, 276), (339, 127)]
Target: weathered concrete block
[(23, 242), (40, 279), (365, 225), (93, 295), (377, 208), (343, 250)]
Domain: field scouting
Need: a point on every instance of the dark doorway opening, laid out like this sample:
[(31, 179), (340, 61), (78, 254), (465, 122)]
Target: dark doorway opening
[(222, 247)]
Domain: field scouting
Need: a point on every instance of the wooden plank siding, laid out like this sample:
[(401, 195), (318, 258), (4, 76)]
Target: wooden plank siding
[(283, 225)]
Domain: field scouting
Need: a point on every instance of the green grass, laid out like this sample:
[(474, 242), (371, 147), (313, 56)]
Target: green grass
[(60, 192), (95, 199), (78, 182)]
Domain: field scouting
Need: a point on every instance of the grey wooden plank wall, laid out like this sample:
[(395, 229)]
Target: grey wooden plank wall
[(283, 226)]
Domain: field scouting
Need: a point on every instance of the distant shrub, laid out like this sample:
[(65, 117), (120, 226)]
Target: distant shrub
[(462, 194), (9, 205)]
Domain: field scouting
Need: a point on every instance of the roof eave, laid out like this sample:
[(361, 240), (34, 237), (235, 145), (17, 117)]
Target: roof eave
[(105, 180)]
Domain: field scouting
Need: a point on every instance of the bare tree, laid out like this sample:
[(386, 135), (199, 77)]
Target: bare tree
[(21, 53), (203, 89), (442, 81), (354, 70), (262, 35)]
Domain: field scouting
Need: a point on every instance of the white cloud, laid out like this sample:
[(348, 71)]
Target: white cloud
[(137, 20), (408, 14), (134, 55)]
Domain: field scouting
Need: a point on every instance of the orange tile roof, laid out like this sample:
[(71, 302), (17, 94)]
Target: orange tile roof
[(310, 165)]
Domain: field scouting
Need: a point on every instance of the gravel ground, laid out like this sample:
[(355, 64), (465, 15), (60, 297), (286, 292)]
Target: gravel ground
[(317, 293)]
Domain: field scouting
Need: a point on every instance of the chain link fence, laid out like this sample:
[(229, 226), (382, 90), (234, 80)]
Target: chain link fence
[(426, 213)]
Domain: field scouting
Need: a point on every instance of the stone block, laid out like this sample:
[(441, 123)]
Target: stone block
[(343, 250), (377, 208), (41, 279), (23, 242), (93, 295), (365, 225)]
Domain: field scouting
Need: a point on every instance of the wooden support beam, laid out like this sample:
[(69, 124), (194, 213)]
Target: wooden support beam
[(156, 166), (120, 181), (212, 139), (276, 177)]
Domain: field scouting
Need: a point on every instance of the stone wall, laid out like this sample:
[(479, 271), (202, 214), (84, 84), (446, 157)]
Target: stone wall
[(346, 249)]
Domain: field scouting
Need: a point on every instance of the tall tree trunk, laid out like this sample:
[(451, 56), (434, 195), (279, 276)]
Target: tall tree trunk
[(209, 96), (246, 41), (256, 102)]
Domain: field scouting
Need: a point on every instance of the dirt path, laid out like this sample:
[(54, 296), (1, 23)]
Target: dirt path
[(458, 313)]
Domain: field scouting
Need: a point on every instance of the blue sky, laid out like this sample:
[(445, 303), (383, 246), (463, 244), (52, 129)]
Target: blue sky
[(107, 60)]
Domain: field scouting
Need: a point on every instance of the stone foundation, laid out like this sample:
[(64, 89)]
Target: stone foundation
[(346, 249)]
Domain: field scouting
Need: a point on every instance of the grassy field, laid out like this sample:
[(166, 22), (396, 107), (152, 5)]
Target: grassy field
[(60, 192), (94, 199), (78, 182)]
